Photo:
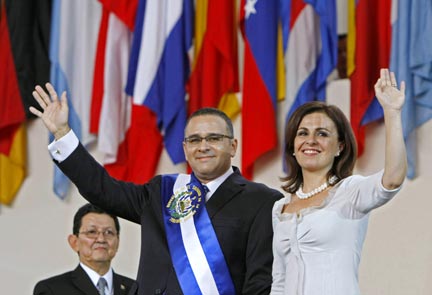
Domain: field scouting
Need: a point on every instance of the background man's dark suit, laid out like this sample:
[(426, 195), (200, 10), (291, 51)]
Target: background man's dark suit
[(240, 212), (77, 282)]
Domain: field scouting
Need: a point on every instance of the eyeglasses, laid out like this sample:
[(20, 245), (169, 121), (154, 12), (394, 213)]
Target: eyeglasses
[(94, 234), (211, 139)]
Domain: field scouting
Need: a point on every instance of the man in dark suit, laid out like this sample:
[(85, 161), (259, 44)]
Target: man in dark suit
[(95, 238), (205, 233)]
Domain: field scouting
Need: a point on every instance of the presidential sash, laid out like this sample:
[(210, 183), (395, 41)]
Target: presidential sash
[(195, 251)]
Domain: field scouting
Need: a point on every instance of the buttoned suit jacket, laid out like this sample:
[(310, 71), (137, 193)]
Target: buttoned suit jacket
[(240, 212), (77, 282)]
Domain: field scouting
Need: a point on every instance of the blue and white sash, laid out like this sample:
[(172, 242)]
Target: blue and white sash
[(195, 251)]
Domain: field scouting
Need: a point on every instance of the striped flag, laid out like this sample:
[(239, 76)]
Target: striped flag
[(159, 66), (259, 25), (24, 37), (13, 166), (74, 29), (12, 117), (111, 106), (411, 60), (310, 39), (214, 78)]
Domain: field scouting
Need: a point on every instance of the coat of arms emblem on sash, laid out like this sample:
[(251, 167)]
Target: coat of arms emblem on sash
[(184, 203)]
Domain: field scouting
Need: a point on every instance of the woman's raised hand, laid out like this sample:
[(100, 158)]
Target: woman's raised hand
[(387, 92)]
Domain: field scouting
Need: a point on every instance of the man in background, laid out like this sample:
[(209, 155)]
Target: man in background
[(95, 238)]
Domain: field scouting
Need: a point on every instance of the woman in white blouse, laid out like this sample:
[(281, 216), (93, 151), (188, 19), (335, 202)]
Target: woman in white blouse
[(320, 226)]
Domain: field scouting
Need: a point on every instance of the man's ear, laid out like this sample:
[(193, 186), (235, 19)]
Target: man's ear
[(234, 145), (73, 242)]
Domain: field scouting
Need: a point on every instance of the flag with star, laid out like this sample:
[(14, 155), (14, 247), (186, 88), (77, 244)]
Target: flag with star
[(259, 27)]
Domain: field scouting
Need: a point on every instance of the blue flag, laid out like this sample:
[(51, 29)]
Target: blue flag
[(159, 66), (74, 28), (411, 60)]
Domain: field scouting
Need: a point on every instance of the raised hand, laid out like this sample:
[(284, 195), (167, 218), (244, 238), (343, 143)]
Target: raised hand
[(389, 96), (55, 112)]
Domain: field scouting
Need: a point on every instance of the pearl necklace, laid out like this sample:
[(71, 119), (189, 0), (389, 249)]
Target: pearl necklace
[(301, 195)]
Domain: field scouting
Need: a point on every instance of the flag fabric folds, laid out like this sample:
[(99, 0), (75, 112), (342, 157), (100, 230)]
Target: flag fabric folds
[(259, 25), (13, 167), (138, 155), (372, 52), (159, 66), (24, 39), (12, 129), (12, 111), (29, 25), (214, 78), (310, 38), (411, 60), (111, 106), (74, 29)]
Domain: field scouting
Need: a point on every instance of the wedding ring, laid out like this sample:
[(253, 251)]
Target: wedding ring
[(394, 85)]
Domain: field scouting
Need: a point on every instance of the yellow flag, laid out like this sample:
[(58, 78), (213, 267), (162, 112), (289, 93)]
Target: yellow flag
[(229, 105), (351, 38), (200, 27), (13, 168), (280, 67)]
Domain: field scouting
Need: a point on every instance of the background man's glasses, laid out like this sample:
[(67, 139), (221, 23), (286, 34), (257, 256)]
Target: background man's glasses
[(94, 234), (212, 139)]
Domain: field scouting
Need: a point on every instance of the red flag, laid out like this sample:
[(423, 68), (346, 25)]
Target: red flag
[(139, 154), (12, 110), (216, 69), (259, 26), (372, 52), (125, 11), (12, 129)]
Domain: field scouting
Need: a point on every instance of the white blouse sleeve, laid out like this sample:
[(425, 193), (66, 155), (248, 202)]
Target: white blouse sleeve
[(364, 194)]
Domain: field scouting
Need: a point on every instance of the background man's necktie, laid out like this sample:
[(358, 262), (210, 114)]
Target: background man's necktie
[(102, 283)]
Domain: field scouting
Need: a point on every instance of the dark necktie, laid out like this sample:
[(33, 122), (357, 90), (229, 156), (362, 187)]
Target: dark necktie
[(102, 283)]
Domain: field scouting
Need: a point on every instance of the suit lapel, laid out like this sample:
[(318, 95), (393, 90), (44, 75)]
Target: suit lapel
[(119, 287), (83, 282), (229, 189)]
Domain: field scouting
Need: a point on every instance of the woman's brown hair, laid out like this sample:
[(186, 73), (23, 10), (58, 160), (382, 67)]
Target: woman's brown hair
[(343, 164)]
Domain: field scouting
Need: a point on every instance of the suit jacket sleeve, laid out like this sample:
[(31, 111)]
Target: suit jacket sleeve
[(123, 199), (42, 288)]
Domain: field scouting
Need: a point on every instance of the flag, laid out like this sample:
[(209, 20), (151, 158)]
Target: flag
[(13, 167), (111, 106), (214, 78), (138, 155), (259, 26), (311, 42), (159, 66), (12, 115), (372, 52), (74, 29), (29, 25), (411, 60)]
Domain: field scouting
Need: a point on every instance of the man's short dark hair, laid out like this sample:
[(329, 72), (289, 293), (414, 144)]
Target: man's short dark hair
[(90, 208), (214, 112)]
